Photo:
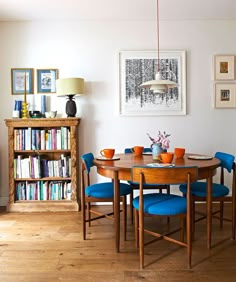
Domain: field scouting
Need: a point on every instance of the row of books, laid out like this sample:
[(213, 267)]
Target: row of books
[(43, 190), (38, 167), (42, 139)]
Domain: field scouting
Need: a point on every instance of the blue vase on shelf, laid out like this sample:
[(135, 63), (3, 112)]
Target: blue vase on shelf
[(18, 107), (156, 151)]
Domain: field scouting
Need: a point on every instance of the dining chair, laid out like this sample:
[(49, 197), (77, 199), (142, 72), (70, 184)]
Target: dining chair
[(99, 192), (160, 188), (161, 204), (220, 192)]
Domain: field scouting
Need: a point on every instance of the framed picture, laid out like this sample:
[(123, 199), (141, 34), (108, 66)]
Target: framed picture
[(46, 80), (224, 67), (22, 81), (136, 67), (225, 95)]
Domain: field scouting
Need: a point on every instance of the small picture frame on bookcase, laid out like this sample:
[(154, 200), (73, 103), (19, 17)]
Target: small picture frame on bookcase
[(22, 80), (224, 67), (225, 95), (46, 80)]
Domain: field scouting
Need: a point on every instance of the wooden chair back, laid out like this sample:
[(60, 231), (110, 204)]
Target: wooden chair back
[(164, 175)]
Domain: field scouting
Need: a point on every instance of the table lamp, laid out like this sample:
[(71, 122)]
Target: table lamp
[(70, 87)]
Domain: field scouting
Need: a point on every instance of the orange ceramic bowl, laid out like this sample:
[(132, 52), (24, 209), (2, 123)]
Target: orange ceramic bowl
[(138, 150), (107, 153), (167, 157), (179, 152)]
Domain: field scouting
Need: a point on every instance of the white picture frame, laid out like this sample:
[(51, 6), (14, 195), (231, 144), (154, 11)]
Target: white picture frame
[(136, 67), (225, 95), (224, 67)]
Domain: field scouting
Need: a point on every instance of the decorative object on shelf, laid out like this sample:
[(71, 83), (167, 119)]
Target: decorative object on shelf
[(18, 81), (46, 80), (70, 87), (24, 110), (43, 104), (225, 95), (224, 67), (15, 114), (159, 144), (17, 108), (51, 114), (24, 104), (35, 114), (159, 85)]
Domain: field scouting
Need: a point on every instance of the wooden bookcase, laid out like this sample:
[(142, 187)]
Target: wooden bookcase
[(38, 204)]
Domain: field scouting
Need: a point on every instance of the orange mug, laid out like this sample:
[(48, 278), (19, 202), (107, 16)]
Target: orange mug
[(107, 153), (138, 150), (166, 157), (179, 152)]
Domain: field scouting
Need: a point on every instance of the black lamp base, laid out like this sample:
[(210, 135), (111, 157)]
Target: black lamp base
[(71, 106)]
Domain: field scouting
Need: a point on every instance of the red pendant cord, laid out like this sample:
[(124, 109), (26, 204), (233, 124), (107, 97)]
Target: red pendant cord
[(158, 39)]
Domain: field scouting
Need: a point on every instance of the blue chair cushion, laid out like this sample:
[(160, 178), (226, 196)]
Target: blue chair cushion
[(106, 190), (227, 160), (199, 189), (162, 204), (88, 159)]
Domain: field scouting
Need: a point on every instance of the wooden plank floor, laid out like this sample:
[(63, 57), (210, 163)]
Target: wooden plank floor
[(49, 247)]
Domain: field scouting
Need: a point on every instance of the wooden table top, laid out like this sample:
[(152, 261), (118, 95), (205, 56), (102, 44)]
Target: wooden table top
[(127, 161)]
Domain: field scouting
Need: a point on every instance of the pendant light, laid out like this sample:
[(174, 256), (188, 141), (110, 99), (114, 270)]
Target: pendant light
[(158, 85)]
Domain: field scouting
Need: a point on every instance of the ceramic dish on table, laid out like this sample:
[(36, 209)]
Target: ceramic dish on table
[(199, 157), (101, 158)]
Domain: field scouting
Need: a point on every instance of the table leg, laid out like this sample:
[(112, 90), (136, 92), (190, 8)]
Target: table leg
[(209, 210), (117, 210), (233, 208)]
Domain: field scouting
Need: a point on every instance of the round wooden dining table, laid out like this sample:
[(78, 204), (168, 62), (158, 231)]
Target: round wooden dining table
[(119, 168)]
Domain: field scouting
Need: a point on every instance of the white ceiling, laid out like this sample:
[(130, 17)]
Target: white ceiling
[(37, 10)]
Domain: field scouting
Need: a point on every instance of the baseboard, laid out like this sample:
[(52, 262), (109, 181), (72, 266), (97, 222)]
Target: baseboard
[(3, 201)]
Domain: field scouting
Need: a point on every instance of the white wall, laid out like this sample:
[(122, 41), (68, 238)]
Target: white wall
[(89, 49)]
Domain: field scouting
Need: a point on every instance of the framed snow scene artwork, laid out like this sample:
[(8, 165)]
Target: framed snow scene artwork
[(137, 67)]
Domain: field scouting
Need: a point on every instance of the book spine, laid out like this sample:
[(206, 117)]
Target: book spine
[(38, 139), (58, 137), (33, 138), (65, 138), (42, 133), (18, 167), (54, 139)]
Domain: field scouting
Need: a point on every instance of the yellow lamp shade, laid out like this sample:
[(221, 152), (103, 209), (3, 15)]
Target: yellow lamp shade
[(70, 86)]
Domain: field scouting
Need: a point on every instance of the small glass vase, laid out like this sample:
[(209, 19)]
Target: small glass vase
[(156, 151)]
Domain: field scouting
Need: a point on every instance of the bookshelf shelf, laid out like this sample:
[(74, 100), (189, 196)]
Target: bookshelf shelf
[(43, 179), (41, 151), (43, 164)]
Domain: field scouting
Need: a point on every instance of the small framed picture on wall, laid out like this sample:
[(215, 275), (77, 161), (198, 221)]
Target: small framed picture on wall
[(46, 80), (225, 95), (22, 81), (224, 67)]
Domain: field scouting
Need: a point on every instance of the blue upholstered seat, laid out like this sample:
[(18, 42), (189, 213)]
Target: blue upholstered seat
[(162, 204), (154, 186), (105, 190), (199, 189), (158, 204), (219, 190), (99, 192)]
